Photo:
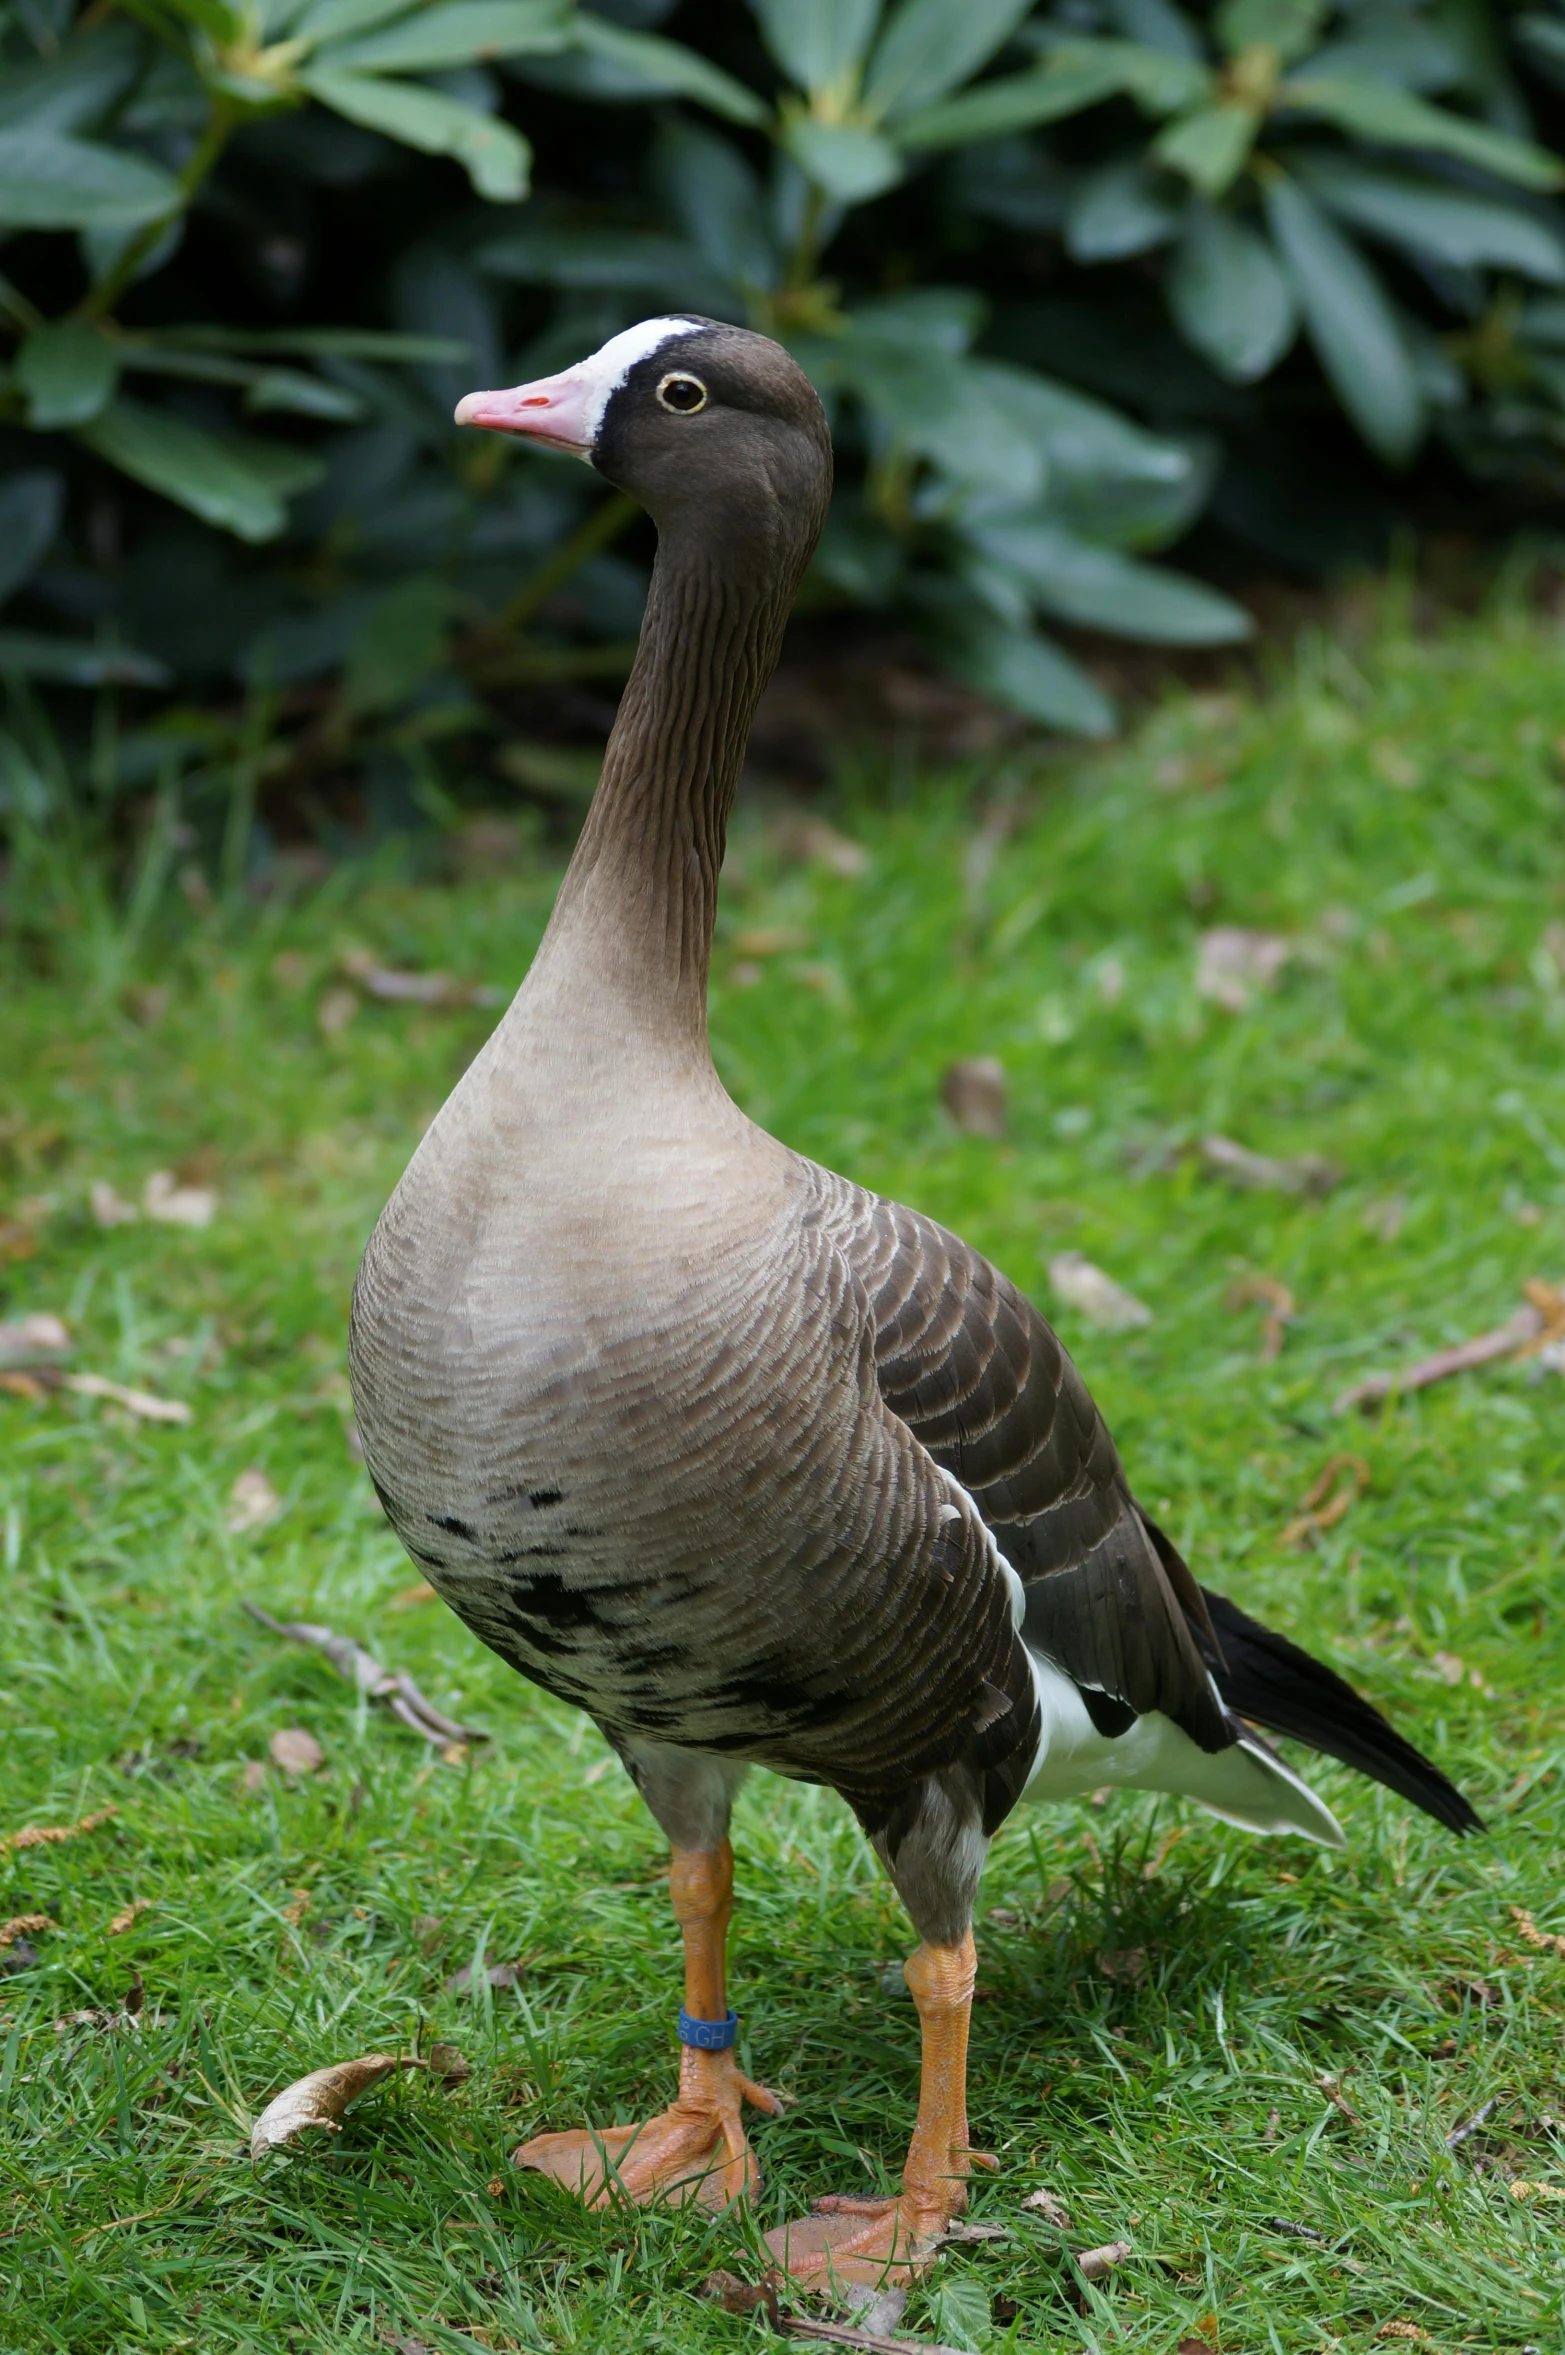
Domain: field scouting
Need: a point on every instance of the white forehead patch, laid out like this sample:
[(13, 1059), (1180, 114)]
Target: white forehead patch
[(602, 375)]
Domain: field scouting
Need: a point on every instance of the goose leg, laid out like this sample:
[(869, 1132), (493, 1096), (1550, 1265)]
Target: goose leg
[(848, 2239), (932, 1843), (695, 2150)]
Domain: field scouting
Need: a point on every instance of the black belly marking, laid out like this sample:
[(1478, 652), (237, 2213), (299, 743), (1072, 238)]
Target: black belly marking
[(449, 1521)]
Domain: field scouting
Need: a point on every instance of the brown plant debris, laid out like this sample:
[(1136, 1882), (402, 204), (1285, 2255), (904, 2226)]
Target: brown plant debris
[(170, 1204), (973, 1092), (1100, 1300), (359, 1667), (252, 1502), (397, 988), (1278, 1301), (1342, 1480), (21, 1925), (321, 2098), (1403, 2330), (1097, 2264), (1260, 1173), (1543, 1941), (499, 1975), (1537, 1328), (1052, 2210), (127, 1915), (295, 1749), (1233, 963), (37, 1340), (1537, 2191), (140, 1403), (49, 1835)]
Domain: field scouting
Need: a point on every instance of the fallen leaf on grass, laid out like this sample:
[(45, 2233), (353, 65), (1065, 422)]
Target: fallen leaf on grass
[(1543, 1941), (1342, 1481), (1259, 1173), (296, 1751), (1538, 2191), (1257, 1291), (1096, 2264), (170, 1204), (825, 847), (1403, 2330), (393, 986), (21, 1924), (336, 1010), (108, 1208), (49, 1835), (1052, 2210), (498, 1975), (776, 940), (409, 1597), (140, 1403), (1233, 963), (37, 1340), (1536, 1330), (16, 1240), (973, 1092), (321, 2099), (451, 2066), (253, 1776), (123, 1920), (1127, 1964), (252, 1502), (361, 1668), (1100, 1300)]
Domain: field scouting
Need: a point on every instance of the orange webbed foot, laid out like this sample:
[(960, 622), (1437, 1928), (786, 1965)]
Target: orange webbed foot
[(695, 2150), (869, 2243)]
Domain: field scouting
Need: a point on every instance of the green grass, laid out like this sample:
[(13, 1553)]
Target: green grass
[(1398, 813)]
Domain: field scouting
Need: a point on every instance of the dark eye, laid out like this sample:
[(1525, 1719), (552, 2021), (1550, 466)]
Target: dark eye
[(683, 394)]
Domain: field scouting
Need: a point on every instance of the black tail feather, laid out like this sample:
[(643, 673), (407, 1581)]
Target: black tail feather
[(1264, 1677)]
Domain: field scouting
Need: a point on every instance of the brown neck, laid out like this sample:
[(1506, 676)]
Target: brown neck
[(640, 896)]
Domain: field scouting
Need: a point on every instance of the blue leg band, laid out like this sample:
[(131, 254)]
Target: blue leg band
[(708, 2035)]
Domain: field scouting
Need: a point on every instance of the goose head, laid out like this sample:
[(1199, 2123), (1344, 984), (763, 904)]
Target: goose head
[(694, 418)]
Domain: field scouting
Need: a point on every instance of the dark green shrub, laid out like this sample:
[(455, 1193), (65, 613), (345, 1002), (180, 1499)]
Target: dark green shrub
[(256, 252)]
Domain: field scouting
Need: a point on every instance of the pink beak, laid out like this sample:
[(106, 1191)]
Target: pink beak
[(562, 411)]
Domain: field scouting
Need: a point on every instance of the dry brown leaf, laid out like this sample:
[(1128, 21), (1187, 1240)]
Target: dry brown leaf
[(1052, 2210), (1254, 1291), (1127, 1964), (296, 1750), (253, 1776), (22, 1925), (397, 987), (1538, 2191), (1403, 2330), (1233, 963), (108, 1208), (1260, 1173), (321, 2098), (252, 1502), (1100, 1300), (140, 1403), (408, 1598), (973, 1092), (774, 940), (498, 1975), (49, 1835), (1095, 2264), (1341, 1482), (37, 1340), (123, 1920), (448, 2063), (336, 1010), (170, 1204), (825, 847)]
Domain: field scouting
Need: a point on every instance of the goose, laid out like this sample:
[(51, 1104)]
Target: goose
[(751, 1465)]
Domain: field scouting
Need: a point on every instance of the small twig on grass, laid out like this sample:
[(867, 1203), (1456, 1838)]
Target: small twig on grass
[(49, 1835), (361, 1668), (1320, 1508), (1533, 1328), (1459, 2134)]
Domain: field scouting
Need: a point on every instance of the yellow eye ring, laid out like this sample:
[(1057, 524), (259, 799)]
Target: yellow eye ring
[(681, 393)]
